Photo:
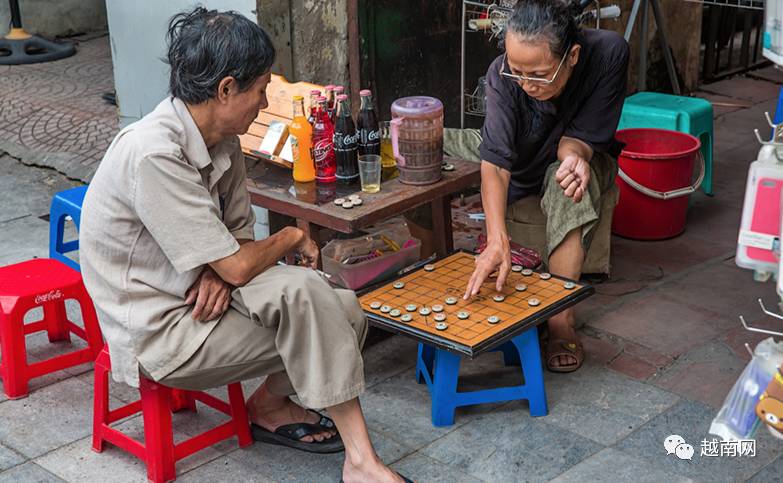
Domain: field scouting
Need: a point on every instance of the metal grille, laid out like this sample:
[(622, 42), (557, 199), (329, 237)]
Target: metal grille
[(746, 4), (732, 33)]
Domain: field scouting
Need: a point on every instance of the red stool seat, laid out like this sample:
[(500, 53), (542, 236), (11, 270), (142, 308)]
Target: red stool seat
[(157, 402), (48, 284)]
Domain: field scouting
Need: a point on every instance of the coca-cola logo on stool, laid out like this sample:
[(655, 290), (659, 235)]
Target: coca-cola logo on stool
[(48, 297)]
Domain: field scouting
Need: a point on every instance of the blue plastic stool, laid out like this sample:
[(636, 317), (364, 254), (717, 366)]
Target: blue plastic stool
[(440, 370), (65, 203), (691, 115), (779, 109)]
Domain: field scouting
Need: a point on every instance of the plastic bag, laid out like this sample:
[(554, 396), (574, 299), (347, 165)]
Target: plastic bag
[(737, 417)]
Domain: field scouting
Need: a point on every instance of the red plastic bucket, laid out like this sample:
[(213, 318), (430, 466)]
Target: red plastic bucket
[(655, 180)]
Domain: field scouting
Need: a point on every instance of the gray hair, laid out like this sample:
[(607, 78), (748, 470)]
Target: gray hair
[(548, 20), (205, 46)]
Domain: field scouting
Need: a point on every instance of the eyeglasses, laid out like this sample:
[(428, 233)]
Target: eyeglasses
[(533, 80)]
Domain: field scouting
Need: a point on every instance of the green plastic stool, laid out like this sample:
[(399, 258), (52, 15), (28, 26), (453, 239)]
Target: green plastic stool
[(691, 115)]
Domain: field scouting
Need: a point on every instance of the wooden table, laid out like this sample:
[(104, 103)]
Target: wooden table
[(312, 206)]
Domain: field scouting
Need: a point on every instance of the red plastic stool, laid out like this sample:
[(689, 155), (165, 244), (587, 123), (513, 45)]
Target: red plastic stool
[(157, 402), (43, 283)]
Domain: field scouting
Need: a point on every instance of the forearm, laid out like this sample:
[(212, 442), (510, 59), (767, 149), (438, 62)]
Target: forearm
[(574, 147), (254, 257), (494, 194)]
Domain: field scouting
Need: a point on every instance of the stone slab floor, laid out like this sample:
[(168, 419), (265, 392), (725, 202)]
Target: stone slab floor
[(663, 339)]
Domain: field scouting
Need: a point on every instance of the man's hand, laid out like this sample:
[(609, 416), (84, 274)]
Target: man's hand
[(307, 251), (211, 295), (497, 256), (573, 176)]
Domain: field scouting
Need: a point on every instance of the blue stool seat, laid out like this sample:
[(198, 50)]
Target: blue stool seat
[(65, 204), (440, 370), (691, 115)]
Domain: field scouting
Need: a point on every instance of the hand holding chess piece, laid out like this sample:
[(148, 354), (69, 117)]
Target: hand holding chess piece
[(573, 176)]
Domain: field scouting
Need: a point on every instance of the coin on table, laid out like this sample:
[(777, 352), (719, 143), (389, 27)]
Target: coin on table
[(410, 307), (354, 197), (347, 204), (357, 201), (406, 318), (441, 326), (437, 308), (429, 267), (440, 317), (521, 287), (493, 319), (499, 298), (569, 285), (462, 315), (424, 311), (399, 285), (395, 312), (339, 201), (533, 302), (527, 272), (448, 167), (375, 305), (386, 309), (545, 276), (451, 300), (516, 268)]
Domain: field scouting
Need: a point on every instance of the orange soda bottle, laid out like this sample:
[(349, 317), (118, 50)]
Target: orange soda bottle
[(302, 143)]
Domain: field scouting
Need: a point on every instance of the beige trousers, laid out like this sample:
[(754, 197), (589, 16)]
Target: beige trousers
[(291, 324)]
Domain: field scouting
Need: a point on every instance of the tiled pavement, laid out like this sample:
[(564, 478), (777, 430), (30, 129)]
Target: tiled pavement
[(663, 340)]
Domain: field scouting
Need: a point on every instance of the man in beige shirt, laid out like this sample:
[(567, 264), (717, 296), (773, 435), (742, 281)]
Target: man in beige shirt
[(184, 295)]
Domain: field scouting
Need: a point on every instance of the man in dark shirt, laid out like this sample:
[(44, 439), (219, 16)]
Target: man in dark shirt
[(553, 104)]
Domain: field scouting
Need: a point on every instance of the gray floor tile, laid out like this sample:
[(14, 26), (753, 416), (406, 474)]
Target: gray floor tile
[(509, 445), (47, 419), (421, 468), (390, 357), (224, 469), (9, 458), (612, 466), (284, 464), (771, 472), (28, 473), (23, 239), (691, 420), (617, 405)]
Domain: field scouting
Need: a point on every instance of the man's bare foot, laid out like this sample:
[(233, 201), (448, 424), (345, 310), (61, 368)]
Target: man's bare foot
[(270, 412), (373, 470), (561, 328)]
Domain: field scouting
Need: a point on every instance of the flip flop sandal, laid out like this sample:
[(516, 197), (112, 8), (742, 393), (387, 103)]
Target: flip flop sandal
[(562, 347), (291, 434), (404, 478)]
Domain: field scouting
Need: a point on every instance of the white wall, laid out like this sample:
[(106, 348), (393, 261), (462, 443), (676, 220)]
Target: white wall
[(138, 43)]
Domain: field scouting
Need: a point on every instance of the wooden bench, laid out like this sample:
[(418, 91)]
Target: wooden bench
[(280, 94)]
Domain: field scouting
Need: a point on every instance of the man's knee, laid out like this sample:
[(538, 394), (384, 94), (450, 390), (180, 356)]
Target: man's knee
[(354, 313)]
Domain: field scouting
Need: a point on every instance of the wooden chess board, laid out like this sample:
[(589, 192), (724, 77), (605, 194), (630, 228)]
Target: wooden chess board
[(428, 287)]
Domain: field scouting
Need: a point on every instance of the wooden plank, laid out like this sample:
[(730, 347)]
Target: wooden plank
[(441, 226)]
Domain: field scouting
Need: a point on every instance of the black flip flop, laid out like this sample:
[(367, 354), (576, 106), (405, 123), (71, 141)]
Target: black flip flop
[(291, 434)]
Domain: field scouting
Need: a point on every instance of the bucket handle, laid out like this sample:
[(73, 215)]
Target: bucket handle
[(394, 126), (666, 195)]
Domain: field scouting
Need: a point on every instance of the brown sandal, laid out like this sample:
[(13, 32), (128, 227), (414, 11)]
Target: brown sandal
[(562, 347)]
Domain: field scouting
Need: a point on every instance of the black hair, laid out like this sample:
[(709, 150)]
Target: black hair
[(205, 46), (550, 20)]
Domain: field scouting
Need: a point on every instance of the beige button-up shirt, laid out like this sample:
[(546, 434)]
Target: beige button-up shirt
[(160, 206)]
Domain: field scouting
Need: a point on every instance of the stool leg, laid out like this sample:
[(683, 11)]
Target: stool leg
[(14, 351), (239, 414), (100, 411), (444, 387), (529, 351), (91, 325), (426, 357), (158, 433), (510, 354), (181, 400), (56, 318)]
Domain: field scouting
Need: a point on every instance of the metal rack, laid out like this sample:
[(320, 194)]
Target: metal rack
[(746, 4)]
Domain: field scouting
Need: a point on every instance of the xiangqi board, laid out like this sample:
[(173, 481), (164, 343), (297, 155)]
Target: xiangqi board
[(420, 303)]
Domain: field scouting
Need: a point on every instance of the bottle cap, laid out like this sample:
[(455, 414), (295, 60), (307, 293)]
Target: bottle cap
[(330, 87), (321, 98), (365, 93), (315, 92), (342, 97), (298, 98), (339, 89)]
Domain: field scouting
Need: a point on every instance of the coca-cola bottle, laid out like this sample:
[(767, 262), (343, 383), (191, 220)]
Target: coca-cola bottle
[(338, 91), (323, 145), (367, 124), (345, 143), (314, 95)]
